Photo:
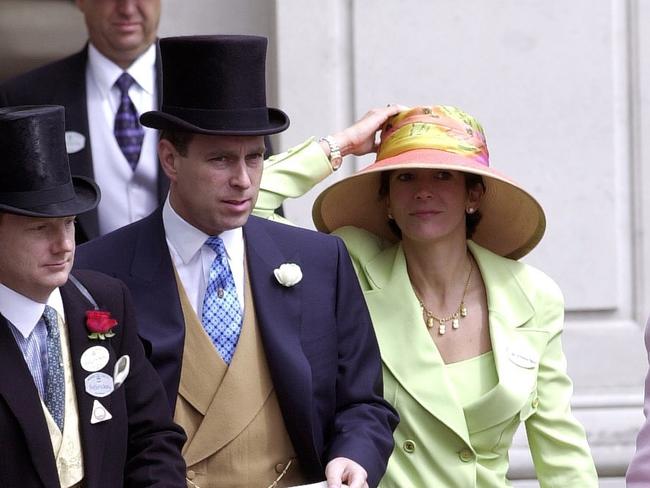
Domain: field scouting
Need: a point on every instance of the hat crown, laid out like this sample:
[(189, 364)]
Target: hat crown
[(32, 144), (439, 128), (215, 85), (214, 72)]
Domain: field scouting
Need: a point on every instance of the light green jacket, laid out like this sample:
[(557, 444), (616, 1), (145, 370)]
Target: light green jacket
[(437, 443)]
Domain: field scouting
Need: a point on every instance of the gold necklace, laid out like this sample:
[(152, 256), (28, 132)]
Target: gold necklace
[(461, 311)]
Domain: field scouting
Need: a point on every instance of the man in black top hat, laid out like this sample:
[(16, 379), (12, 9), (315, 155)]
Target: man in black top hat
[(75, 410), (259, 330)]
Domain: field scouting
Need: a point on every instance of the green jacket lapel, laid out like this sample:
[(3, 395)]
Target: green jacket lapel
[(410, 354), (516, 348)]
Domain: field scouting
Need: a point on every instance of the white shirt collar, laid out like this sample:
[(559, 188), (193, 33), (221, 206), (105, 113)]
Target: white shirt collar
[(106, 72), (187, 240), (24, 312)]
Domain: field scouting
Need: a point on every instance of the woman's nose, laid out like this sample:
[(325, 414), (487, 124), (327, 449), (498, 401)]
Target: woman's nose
[(423, 192)]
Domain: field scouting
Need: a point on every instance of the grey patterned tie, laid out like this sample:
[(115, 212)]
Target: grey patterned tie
[(55, 384)]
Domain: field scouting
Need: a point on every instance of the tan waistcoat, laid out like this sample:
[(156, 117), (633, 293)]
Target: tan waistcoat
[(236, 437)]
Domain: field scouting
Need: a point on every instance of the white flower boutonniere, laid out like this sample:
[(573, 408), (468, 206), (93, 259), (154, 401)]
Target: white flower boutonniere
[(288, 274)]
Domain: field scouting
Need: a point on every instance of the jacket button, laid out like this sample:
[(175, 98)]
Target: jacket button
[(409, 446), (466, 455), (190, 475), (279, 468), (535, 402)]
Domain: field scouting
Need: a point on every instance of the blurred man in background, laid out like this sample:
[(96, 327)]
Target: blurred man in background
[(104, 87)]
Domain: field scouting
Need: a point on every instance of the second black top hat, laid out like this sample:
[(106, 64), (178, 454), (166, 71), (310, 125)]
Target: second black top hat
[(215, 85), (34, 171)]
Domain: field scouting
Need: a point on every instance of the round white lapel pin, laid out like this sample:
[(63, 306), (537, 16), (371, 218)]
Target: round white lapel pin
[(74, 142), (94, 358), (99, 385)]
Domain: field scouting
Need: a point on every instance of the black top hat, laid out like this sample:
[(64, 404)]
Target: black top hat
[(215, 85), (34, 170)]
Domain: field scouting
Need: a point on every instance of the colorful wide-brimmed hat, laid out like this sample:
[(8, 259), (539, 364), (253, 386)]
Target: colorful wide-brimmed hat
[(215, 85), (35, 175), (436, 137)]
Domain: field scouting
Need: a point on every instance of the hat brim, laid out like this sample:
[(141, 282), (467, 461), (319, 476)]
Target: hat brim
[(87, 196), (512, 222), (278, 121)]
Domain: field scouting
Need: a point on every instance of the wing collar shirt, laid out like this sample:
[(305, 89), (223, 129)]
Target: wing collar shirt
[(127, 195), (24, 315), (192, 258)]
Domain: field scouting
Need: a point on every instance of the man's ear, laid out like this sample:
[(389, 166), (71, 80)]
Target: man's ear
[(168, 157)]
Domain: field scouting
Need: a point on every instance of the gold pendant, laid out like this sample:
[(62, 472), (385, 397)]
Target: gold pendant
[(463, 310), (430, 322), (455, 323), (442, 328)]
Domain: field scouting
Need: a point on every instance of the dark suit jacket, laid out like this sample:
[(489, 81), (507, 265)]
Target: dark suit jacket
[(139, 447), (64, 83), (317, 335)]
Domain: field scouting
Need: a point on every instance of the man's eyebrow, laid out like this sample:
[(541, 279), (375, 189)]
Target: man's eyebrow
[(220, 152), (232, 153)]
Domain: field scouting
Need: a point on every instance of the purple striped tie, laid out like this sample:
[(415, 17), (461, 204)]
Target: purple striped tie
[(128, 131)]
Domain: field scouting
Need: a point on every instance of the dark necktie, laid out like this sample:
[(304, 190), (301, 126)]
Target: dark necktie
[(55, 383), (221, 315), (128, 131)]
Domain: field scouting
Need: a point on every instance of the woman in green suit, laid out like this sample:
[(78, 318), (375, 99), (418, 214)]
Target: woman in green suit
[(470, 337)]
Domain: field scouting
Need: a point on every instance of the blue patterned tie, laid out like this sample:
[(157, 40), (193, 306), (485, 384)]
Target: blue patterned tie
[(221, 314), (55, 384), (128, 131)]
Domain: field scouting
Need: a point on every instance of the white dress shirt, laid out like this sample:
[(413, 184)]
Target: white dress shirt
[(24, 314), (127, 195), (192, 258)]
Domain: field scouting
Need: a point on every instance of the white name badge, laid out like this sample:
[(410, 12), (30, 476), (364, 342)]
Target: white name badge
[(100, 414), (523, 357), (74, 141), (99, 385), (94, 358)]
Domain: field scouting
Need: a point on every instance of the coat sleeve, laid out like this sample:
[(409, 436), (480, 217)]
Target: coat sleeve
[(557, 441), (638, 472), (364, 421), (290, 175), (154, 457)]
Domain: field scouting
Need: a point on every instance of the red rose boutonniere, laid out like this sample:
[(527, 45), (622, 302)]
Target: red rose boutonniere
[(100, 324)]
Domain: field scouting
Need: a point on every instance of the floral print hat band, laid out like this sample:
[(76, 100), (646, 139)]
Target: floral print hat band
[(436, 137)]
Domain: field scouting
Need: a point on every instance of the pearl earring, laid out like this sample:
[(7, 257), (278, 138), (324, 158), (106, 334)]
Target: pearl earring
[(471, 210)]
